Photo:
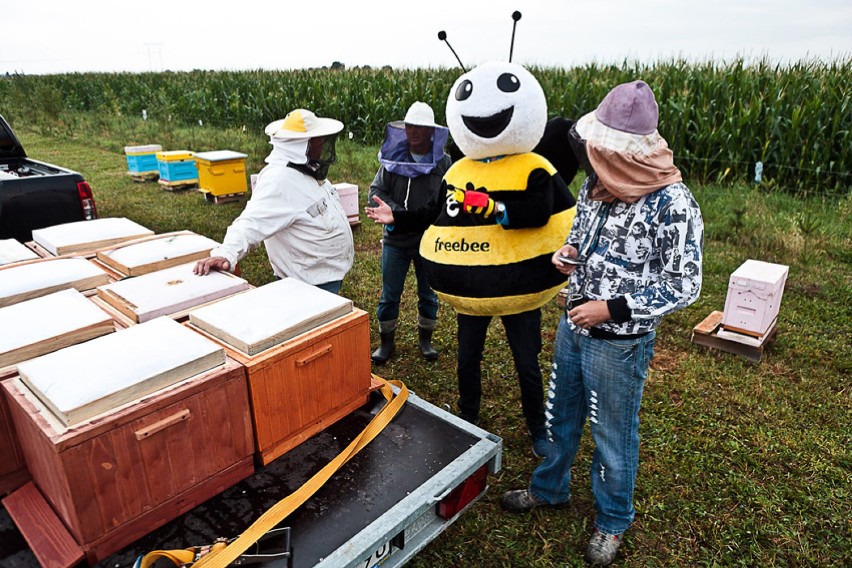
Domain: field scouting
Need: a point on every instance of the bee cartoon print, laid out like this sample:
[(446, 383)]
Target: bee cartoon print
[(507, 211)]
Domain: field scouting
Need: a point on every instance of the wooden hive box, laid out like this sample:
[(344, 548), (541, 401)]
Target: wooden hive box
[(306, 353), (116, 477), (221, 172), (81, 381), (33, 328), (158, 252), (28, 280), (142, 159), (169, 292), (13, 466), (82, 237)]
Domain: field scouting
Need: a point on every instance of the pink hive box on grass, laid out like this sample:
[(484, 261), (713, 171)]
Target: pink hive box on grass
[(348, 194), (754, 297)]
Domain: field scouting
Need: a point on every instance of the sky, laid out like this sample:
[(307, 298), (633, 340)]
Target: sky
[(59, 36)]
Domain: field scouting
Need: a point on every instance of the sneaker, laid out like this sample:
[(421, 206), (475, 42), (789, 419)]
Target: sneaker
[(522, 501), (540, 447), (602, 548)]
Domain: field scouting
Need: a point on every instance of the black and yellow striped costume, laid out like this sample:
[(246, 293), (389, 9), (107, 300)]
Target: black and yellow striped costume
[(480, 267)]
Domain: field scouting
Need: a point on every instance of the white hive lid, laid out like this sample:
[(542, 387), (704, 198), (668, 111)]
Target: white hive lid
[(269, 315)]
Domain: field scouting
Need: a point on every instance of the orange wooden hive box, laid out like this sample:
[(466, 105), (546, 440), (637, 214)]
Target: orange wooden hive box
[(306, 353), (13, 467), (36, 327), (116, 476)]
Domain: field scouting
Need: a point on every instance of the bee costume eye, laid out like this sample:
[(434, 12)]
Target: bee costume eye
[(506, 82), (464, 90)]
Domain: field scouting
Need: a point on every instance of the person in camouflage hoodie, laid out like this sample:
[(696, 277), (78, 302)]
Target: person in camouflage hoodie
[(633, 255)]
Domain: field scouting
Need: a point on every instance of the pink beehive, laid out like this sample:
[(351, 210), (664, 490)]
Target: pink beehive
[(348, 194), (754, 297)]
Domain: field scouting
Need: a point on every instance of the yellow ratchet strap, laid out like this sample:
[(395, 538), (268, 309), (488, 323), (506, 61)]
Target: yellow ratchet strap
[(222, 554), (180, 557)]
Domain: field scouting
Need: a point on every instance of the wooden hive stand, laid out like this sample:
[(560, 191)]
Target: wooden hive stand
[(141, 177), (225, 198), (709, 333), (179, 185)]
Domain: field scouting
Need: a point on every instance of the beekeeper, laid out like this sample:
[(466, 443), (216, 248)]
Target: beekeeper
[(294, 210)]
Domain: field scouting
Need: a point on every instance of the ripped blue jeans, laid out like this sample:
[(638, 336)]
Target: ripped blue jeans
[(600, 380)]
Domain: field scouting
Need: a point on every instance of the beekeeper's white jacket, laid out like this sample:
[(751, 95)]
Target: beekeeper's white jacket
[(299, 219)]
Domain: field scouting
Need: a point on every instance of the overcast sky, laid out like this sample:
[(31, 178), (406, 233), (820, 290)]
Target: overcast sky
[(55, 36)]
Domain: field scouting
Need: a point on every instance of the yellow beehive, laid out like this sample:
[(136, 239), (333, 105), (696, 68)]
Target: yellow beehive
[(221, 172)]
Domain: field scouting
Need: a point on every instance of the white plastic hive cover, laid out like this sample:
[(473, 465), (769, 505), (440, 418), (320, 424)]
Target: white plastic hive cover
[(27, 281), (88, 235), (87, 379), (13, 251), (49, 323), (169, 291), (269, 315), (220, 155), (157, 253)]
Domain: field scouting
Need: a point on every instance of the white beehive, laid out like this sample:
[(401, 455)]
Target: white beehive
[(754, 297)]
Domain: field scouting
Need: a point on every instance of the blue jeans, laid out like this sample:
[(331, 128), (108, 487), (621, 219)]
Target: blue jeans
[(395, 263), (333, 286), (602, 380)]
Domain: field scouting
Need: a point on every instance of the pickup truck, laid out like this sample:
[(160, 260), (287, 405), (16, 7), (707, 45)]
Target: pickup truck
[(36, 194)]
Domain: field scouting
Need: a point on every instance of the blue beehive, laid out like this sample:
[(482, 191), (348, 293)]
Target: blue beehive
[(177, 166), (142, 160)]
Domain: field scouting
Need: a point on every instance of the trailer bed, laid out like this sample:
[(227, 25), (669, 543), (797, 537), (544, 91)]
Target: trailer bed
[(382, 504)]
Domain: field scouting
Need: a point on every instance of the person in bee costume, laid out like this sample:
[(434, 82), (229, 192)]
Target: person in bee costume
[(506, 212)]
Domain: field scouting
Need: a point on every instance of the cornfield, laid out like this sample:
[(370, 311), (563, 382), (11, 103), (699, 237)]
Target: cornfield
[(719, 119)]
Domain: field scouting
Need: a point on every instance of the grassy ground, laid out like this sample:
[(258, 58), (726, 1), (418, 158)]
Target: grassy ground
[(741, 464)]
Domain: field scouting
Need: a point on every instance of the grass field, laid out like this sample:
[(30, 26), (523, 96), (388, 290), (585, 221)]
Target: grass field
[(740, 464)]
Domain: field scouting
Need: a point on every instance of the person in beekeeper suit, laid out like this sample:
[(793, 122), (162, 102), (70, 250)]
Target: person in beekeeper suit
[(294, 210), (407, 197)]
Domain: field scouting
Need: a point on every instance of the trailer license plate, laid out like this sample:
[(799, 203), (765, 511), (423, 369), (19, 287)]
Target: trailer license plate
[(379, 556)]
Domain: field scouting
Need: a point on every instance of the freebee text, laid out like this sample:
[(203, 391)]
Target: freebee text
[(461, 246)]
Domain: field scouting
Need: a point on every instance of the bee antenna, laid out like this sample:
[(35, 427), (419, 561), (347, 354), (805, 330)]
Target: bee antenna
[(442, 35), (515, 16)]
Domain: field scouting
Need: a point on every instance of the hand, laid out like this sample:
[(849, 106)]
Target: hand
[(564, 267), (205, 265), (590, 314), (474, 202), (382, 213)]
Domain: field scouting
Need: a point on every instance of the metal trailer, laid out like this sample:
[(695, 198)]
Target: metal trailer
[(422, 504), (425, 469)]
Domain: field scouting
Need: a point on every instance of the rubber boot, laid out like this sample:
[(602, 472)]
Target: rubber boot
[(424, 341), (386, 348)]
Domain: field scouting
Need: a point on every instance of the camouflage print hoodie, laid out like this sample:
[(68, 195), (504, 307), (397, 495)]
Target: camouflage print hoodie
[(644, 258)]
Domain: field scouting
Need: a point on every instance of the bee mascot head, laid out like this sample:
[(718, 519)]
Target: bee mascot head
[(496, 109), (507, 210)]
